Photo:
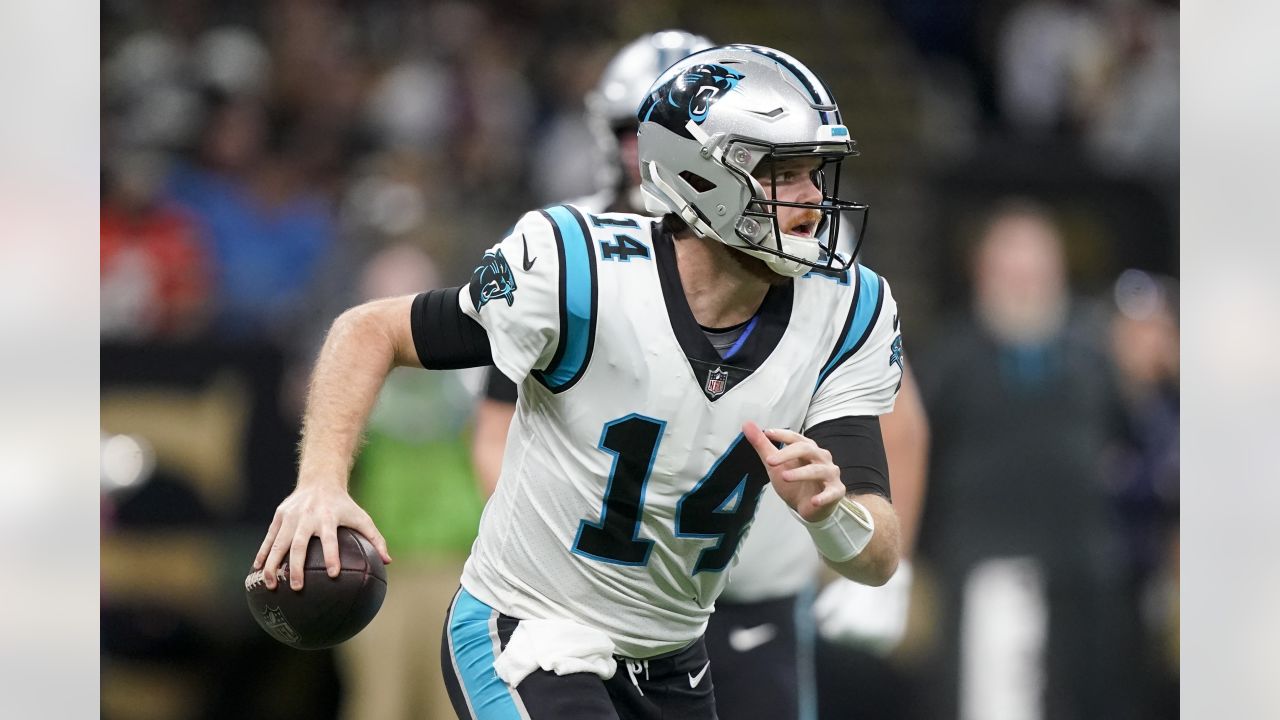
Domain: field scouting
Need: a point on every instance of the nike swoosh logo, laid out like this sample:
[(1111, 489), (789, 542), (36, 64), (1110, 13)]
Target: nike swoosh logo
[(528, 264), (770, 114), (748, 639), (695, 679)]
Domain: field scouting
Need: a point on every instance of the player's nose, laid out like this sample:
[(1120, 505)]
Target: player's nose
[(809, 192)]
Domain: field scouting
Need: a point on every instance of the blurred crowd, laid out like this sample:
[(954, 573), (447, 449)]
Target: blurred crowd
[(267, 165), (255, 157)]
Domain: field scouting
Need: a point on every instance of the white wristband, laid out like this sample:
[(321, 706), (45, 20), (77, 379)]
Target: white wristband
[(844, 533)]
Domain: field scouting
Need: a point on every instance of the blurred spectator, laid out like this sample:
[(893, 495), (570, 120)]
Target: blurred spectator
[(1021, 398), (408, 107), (155, 274), (567, 160), (396, 195), (1144, 340), (1050, 54), (414, 476), (495, 108), (266, 224), (1134, 127), (1102, 71), (145, 90), (233, 61)]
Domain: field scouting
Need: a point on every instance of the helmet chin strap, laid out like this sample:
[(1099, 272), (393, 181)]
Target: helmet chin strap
[(777, 263)]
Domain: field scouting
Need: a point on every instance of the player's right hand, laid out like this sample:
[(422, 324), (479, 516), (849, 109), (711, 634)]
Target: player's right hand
[(801, 472), (313, 511)]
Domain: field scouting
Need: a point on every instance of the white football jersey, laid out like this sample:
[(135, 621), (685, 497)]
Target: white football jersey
[(776, 559), (627, 485)]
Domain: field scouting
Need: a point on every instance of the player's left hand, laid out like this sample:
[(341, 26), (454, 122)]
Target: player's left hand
[(801, 472)]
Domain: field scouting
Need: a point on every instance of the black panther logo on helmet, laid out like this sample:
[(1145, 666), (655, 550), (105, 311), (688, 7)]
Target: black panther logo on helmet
[(688, 96), (492, 279)]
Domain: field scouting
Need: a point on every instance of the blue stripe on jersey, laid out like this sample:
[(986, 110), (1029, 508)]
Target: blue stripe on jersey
[(471, 642), (862, 317), (577, 300)]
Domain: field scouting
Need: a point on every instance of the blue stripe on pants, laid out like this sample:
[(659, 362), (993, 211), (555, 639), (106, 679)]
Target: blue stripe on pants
[(471, 641)]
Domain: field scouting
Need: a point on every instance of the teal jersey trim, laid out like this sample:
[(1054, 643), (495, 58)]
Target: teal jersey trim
[(868, 299), (578, 299)]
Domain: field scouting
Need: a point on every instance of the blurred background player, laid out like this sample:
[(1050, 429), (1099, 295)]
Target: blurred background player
[(763, 624)]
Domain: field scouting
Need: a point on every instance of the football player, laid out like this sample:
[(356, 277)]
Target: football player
[(763, 623), (637, 458)]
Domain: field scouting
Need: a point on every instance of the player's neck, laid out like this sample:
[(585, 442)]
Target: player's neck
[(721, 291)]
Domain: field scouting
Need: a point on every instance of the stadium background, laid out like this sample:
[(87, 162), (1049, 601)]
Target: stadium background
[(350, 137)]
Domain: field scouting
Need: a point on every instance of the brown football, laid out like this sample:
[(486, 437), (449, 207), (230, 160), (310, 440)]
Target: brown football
[(327, 611)]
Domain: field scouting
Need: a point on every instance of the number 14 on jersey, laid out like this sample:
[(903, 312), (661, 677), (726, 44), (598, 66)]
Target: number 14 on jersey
[(719, 506)]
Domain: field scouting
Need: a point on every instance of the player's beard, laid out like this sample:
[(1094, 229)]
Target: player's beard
[(758, 268)]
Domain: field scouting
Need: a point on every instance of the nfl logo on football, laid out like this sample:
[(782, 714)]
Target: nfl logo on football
[(716, 381)]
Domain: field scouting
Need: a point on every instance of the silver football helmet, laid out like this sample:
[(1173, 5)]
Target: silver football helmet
[(717, 120), (611, 106)]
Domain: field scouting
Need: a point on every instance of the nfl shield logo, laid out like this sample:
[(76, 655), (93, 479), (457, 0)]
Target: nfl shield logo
[(277, 625), (716, 381)]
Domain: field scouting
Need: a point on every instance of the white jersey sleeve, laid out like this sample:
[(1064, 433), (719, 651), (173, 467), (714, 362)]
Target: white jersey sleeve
[(864, 371), (515, 294)]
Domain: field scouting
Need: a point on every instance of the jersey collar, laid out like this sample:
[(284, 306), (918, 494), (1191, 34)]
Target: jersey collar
[(717, 376)]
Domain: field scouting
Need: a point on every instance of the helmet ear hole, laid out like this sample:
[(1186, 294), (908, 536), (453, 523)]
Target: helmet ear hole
[(697, 182)]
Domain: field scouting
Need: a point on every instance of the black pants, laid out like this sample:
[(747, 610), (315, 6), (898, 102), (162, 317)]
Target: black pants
[(764, 658), (671, 687)]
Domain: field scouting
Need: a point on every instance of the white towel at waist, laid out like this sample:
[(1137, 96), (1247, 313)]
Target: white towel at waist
[(559, 646)]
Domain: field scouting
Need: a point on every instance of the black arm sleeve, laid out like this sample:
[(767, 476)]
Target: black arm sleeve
[(857, 447), (499, 388), (444, 336)]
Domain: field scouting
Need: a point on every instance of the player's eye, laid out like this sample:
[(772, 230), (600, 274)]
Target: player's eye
[(788, 176)]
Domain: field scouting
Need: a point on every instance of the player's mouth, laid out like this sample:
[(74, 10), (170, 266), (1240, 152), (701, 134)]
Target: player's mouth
[(804, 229)]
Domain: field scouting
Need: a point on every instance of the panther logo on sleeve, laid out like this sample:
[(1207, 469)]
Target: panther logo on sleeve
[(689, 96), (492, 279), (895, 358), (895, 352)]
